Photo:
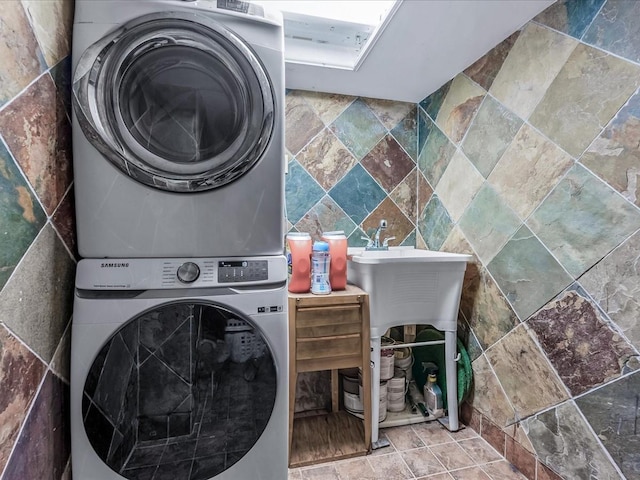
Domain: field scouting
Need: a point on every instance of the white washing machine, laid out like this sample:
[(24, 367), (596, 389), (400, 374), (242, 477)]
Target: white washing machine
[(179, 369), (178, 137)]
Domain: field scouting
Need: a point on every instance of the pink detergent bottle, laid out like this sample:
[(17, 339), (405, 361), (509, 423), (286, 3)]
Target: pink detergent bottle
[(337, 241), (299, 261)]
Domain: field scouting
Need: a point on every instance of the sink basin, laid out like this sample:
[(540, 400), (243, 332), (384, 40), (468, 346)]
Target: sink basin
[(409, 286)]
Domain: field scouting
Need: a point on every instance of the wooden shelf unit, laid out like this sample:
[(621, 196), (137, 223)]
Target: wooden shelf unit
[(329, 332)]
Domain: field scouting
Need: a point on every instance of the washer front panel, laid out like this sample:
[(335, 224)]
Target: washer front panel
[(219, 353), (176, 101)]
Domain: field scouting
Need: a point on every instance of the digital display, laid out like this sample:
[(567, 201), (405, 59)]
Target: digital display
[(235, 264)]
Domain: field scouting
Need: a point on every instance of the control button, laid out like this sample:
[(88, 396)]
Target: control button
[(188, 272)]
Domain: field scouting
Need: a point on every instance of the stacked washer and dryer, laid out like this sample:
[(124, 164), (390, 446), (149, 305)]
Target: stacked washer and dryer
[(179, 336)]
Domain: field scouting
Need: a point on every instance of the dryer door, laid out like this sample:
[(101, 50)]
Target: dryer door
[(185, 389), (176, 101)]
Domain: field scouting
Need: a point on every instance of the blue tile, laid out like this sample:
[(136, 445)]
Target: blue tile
[(616, 29), (410, 241), (527, 273), (356, 240), (435, 223), (433, 102), (357, 194), (582, 220), (436, 153), (571, 16), (302, 192), (358, 129)]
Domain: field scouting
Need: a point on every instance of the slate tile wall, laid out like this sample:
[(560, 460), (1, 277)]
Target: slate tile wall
[(532, 153), (37, 260)]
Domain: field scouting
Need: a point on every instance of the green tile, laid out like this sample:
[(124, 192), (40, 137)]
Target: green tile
[(488, 223), (582, 220), (585, 95), (358, 129), (21, 216), (490, 134), (435, 223), (527, 273), (436, 153)]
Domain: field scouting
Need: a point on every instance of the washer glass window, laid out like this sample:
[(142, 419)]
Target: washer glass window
[(185, 388)]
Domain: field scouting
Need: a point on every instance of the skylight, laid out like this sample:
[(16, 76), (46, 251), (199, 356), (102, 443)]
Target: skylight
[(331, 33)]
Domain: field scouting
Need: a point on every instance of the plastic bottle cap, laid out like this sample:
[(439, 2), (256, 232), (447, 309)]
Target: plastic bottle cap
[(320, 246), (336, 233), (304, 235)]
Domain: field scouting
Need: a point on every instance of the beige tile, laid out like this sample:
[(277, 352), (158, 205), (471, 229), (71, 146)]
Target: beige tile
[(390, 467), (55, 43), (327, 106), (422, 462), (403, 438), (432, 433), (472, 473), (437, 476), (40, 315), (294, 474), (464, 433), (322, 472), (19, 52), (480, 450), (532, 64), (528, 170), (455, 194), (459, 107), (452, 456), (389, 112), (585, 95), (503, 470), (489, 397), (355, 469), (522, 368)]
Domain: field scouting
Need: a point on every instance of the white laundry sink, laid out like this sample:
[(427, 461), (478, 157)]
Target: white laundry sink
[(409, 286)]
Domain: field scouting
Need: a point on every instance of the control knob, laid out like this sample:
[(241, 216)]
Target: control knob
[(188, 272)]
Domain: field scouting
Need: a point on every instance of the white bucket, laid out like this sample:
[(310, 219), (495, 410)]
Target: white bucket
[(353, 403), (396, 390), (387, 359), (403, 361), (382, 412)]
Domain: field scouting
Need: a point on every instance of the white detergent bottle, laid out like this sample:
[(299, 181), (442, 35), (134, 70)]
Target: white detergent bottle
[(320, 263)]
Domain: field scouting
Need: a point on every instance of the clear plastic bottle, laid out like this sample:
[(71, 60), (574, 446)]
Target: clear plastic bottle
[(338, 249), (320, 264), (433, 396)]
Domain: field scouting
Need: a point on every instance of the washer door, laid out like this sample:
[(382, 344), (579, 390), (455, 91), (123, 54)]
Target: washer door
[(185, 389), (176, 101)]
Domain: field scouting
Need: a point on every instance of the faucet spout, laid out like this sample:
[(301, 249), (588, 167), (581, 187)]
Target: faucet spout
[(375, 243)]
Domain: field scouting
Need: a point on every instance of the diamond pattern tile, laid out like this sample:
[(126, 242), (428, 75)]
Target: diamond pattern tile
[(358, 194), (301, 192), (388, 163), (358, 128)]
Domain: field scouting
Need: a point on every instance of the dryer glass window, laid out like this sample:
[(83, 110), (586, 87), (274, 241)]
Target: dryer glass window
[(181, 391), (176, 101), (182, 104)]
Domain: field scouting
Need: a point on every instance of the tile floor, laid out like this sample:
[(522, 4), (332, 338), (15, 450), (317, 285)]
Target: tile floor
[(421, 451)]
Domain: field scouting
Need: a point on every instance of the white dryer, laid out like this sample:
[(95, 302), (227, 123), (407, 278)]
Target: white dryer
[(178, 138), (179, 369)]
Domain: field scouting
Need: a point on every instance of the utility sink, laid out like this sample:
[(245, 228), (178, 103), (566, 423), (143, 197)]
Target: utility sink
[(409, 286)]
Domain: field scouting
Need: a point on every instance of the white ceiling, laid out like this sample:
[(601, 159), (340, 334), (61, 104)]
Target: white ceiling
[(426, 43)]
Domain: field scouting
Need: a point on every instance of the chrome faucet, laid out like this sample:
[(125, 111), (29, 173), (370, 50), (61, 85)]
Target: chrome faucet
[(374, 243)]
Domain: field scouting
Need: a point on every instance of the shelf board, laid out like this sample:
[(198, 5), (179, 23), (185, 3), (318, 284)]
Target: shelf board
[(323, 438)]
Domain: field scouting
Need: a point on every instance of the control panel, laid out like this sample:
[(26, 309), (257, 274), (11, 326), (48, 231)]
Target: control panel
[(242, 271), (160, 273)]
